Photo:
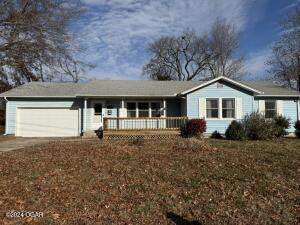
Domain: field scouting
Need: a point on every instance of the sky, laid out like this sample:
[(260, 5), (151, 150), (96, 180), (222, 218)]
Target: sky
[(115, 34)]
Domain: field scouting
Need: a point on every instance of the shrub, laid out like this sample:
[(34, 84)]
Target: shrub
[(257, 127), (193, 127), (297, 128), (281, 123), (235, 131), (216, 135)]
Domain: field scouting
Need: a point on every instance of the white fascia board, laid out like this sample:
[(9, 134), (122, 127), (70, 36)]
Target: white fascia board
[(287, 96), (38, 96), (119, 96), (226, 79)]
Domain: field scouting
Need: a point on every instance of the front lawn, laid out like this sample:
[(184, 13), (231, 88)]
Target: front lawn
[(153, 182)]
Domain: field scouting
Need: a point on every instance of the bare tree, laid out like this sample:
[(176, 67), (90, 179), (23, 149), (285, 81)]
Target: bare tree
[(193, 57), (285, 60), (34, 36), (177, 58), (224, 43)]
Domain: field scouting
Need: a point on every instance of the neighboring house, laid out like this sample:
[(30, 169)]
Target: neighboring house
[(67, 109)]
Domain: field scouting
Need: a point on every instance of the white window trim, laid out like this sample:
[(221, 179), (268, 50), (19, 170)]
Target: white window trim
[(149, 108), (275, 109), (221, 107)]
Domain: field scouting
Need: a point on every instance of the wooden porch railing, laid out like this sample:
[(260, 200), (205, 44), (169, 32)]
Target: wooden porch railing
[(145, 123)]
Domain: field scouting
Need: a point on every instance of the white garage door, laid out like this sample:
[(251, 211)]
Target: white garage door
[(47, 122)]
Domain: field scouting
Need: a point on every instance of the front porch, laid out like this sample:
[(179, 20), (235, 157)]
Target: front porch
[(132, 114), (143, 123)]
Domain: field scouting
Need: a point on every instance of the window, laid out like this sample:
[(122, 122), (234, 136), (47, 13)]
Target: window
[(98, 109), (228, 108), (212, 108), (143, 109), (155, 109), (131, 109), (270, 109)]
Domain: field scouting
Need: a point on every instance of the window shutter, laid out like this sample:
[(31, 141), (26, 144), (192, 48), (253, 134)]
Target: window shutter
[(239, 108), (279, 104), (202, 107), (261, 106)]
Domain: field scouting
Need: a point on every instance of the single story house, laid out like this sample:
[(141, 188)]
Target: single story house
[(66, 109)]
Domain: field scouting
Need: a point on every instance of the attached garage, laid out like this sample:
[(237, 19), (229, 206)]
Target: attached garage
[(47, 122)]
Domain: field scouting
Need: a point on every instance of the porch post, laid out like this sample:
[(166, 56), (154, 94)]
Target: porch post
[(120, 123), (84, 114), (165, 108)]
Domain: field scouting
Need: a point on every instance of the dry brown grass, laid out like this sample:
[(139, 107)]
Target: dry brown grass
[(154, 182)]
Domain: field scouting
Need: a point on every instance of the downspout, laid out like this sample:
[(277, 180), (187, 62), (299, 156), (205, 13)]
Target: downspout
[(6, 101)]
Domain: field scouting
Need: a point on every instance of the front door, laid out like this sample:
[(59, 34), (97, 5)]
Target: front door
[(97, 114)]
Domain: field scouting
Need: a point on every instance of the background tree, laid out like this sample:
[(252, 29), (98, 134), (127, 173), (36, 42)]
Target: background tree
[(224, 43), (34, 37), (177, 58), (285, 60), (193, 57)]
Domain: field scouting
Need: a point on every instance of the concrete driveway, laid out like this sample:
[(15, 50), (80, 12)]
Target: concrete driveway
[(19, 143)]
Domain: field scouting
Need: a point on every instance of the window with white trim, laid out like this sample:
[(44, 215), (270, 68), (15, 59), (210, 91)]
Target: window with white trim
[(131, 109), (143, 109), (155, 109), (270, 108), (212, 108), (228, 108), (220, 108)]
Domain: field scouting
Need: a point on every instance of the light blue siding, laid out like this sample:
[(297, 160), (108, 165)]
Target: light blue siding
[(255, 105), (213, 91), (13, 104), (290, 111), (115, 103)]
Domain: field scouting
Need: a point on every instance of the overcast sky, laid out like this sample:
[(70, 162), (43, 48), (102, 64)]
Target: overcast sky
[(116, 33)]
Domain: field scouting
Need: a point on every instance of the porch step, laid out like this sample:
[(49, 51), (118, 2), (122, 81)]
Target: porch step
[(129, 135)]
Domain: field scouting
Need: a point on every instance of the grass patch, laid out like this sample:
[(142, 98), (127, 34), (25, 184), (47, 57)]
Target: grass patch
[(151, 182)]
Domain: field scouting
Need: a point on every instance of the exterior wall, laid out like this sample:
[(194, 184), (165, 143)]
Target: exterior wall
[(13, 104), (289, 109), (213, 91), (115, 103)]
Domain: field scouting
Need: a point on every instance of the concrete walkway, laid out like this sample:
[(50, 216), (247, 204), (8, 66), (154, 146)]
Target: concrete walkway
[(19, 143)]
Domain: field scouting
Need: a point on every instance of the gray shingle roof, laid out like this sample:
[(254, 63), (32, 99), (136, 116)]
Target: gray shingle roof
[(44, 89), (129, 88), (136, 88), (270, 88)]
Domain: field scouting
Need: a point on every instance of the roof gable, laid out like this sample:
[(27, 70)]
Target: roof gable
[(236, 83)]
